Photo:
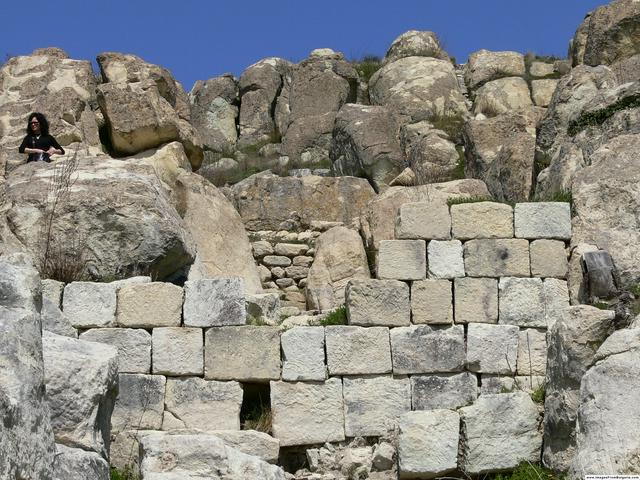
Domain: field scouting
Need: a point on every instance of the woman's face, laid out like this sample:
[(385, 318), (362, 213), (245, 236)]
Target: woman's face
[(34, 124)]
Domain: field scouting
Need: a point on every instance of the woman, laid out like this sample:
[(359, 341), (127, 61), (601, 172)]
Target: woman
[(38, 143)]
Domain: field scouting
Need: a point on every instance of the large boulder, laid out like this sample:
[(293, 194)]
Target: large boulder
[(484, 66), (79, 464), (415, 43), (27, 445), (502, 95), (269, 202), (144, 107), (340, 257)]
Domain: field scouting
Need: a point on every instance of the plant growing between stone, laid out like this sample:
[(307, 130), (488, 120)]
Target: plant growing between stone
[(367, 66), (337, 317), (598, 117)]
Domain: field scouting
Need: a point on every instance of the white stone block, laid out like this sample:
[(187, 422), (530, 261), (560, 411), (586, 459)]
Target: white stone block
[(214, 302), (177, 351), (78, 464), (134, 346), (482, 220), (532, 352), (522, 302), (452, 390), (548, 258), (431, 302), (425, 220), (492, 348), (371, 302), (148, 305), (556, 300), (445, 259), (90, 304), (476, 300), (402, 260), (303, 354), (357, 350), (543, 220), (497, 258), (427, 349), (139, 404), (251, 442)]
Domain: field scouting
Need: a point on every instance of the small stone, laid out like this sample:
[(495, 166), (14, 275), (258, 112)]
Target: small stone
[(402, 260), (357, 350), (278, 272), (297, 273), (285, 282), (383, 456), (373, 302), (134, 347), (427, 349), (497, 258), (423, 220), (492, 348), (261, 248), (543, 220), (482, 220), (303, 354), (265, 273), (302, 261), (90, 304), (214, 302), (476, 300), (451, 391), (431, 302), (291, 249), (148, 305), (548, 258), (445, 259), (276, 261), (177, 351)]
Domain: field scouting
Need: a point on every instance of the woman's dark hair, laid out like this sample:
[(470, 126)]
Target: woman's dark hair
[(44, 124)]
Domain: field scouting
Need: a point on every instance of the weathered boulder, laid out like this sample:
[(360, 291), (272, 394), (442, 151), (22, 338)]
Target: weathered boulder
[(270, 202), (415, 43), (542, 91), (79, 464), (420, 87), (366, 143), (144, 107), (340, 257), (27, 443), (502, 95), (214, 111), (484, 66)]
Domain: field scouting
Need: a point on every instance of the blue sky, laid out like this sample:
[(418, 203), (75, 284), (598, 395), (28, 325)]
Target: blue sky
[(203, 39)]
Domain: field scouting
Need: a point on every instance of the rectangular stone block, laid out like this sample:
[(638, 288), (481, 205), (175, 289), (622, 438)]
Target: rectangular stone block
[(357, 350), (521, 302), (497, 258), (425, 220), (492, 348), (482, 220), (134, 347), (532, 352), (303, 354), (177, 351), (556, 300), (445, 259), (90, 304), (428, 443), (476, 300), (548, 258), (214, 302), (251, 442), (373, 302), (402, 260), (427, 349), (148, 305), (139, 404), (453, 390), (294, 404), (245, 353), (543, 220), (431, 302), (202, 404), (52, 290), (372, 405)]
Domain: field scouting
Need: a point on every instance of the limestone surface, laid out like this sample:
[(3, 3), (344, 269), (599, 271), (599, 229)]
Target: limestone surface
[(402, 260), (89, 304), (476, 300), (453, 390), (522, 302), (532, 352), (481, 220), (214, 302), (492, 348), (251, 442), (501, 96), (431, 301), (177, 351), (140, 402), (148, 305), (378, 303), (542, 91), (445, 259), (79, 464), (543, 220), (355, 350), (485, 65), (303, 354), (548, 258), (423, 220), (133, 345), (497, 258), (427, 349), (414, 43)]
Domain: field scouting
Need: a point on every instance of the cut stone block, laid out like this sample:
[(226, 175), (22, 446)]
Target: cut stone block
[(556, 300), (499, 433), (291, 249), (251, 442), (482, 220), (52, 291), (357, 350), (522, 302), (543, 220), (429, 392), (427, 349), (264, 306), (242, 353), (402, 260), (476, 300), (90, 304), (177, 351), (54, 320), (276, 261), (214, 302), (293, 405), (431, 302), (372, 405), (425, 220), (428, 443), (497, 258), (548, 258), (148, 305), (134, 346), (378, 302), (492, 348), (139, 404), (532, 352), (445, 259), (203, 404), (303, 354)]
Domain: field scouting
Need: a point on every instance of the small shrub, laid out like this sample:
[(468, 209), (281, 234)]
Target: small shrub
[(526, 471), (128, 473), (601, 305), (458, 172), (259, 419), (337, 317), (538, 394), (636, 290), (367, 66), (452, 125), (598, 117), (460, 200)]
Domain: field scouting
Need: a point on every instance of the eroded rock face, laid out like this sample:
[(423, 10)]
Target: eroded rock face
[(415, 43), (502, 95)]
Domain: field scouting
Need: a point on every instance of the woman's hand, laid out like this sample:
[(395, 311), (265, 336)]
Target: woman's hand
[(52, 151), (33, 150)]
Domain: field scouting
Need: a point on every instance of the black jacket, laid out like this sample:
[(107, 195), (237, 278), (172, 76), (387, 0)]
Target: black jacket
[(43, 142)]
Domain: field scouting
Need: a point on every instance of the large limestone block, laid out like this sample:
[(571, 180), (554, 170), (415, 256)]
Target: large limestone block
[(543, 220), (133, 345), (242, 353), (140, 402), (373, 405), (402, 260), (303, 354), (423, 220), (497, 258), (485, 65), (454, 390), (79, 464), (548, 258), (251, 442), (476, 300), (307, 413), (431, 302), (522, 302), (214, 302), (542, 91), (428, 443), (89, 304), (572, 345), (148, 305), (81, 380), (499, 433), (199, 456), (378, 303), (481, 220), (202, 404), (501, 96), (357, 350), (415, 43), (532, 352), (492, 348), (178, 351), (445, 259), (426, 349), (340, 257)]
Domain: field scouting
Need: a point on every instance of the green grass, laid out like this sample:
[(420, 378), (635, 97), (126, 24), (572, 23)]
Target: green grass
[(460, 200), (452, 125), (367, 66), (635, 290), (538, 394), (598, 117), (337, 317), (255, 321), (458, 172), (127, 474), (525, 471), (602, 305)]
